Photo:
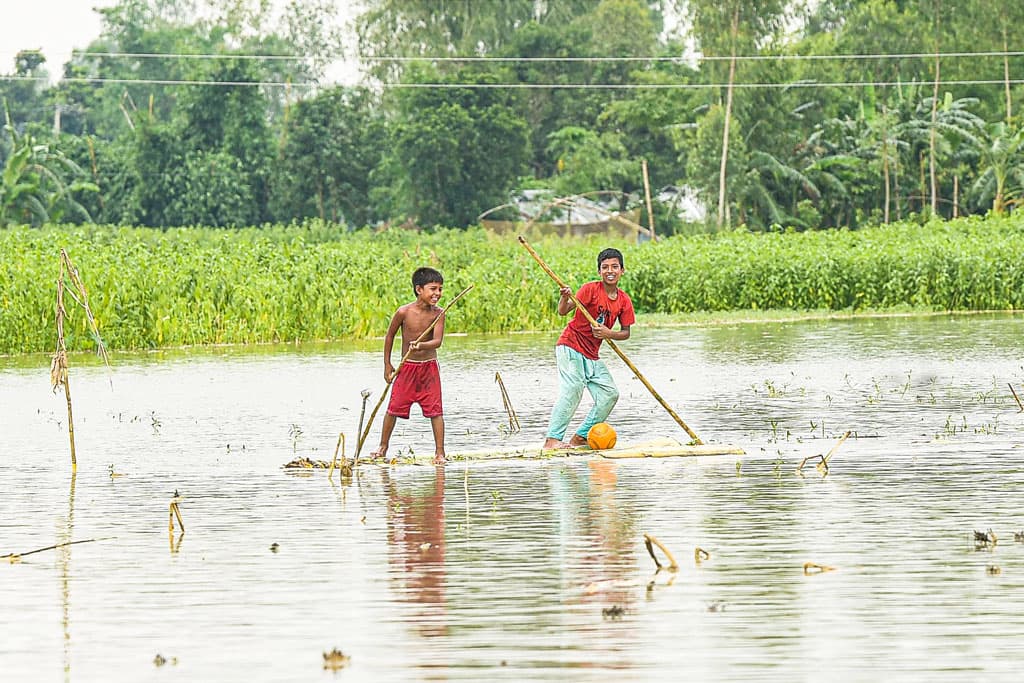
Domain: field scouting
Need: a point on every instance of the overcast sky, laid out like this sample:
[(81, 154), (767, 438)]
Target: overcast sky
[(59, 26), (54, 26)]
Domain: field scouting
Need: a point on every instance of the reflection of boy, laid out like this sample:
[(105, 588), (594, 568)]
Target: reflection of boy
[(419, 377), (416, 543), (576, 352)]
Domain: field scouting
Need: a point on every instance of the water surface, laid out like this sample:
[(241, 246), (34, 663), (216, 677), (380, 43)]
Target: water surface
[(510, 570)]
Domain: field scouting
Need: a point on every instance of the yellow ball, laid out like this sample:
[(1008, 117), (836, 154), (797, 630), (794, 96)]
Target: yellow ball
[(601, 436)]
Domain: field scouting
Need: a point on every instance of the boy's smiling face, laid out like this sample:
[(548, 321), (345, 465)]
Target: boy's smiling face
[(430, 293), (610, 272)]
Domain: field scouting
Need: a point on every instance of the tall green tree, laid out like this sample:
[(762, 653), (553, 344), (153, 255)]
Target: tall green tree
[(454, 152), (731, 28), (331, 146)]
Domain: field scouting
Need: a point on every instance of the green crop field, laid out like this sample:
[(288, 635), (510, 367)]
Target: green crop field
[(151, 288)]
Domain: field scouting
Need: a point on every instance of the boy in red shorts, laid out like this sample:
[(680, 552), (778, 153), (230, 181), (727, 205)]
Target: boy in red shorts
[(419, 377)]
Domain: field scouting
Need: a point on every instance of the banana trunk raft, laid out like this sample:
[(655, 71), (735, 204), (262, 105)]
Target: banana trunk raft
[(665, 447)]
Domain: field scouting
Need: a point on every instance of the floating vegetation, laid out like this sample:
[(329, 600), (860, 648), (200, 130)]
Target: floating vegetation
[(336, 659), (811, 568), (613, 613), (304, 463), (993, 570), (984, 539)]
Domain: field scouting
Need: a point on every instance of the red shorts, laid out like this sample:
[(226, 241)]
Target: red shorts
[(417, 382)]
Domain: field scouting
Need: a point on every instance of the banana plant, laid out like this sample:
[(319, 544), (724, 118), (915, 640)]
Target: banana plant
[(33, 188), (1001, 181)]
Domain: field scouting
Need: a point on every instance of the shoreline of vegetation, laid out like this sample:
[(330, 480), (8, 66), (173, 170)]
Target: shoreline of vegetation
[(192, 287)]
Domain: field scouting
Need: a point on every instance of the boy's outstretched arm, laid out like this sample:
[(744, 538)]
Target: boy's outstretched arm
[(389, 343)]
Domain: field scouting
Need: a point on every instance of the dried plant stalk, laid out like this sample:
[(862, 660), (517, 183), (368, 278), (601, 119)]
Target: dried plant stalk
[(650, 542), (346, 469), (59, 363)]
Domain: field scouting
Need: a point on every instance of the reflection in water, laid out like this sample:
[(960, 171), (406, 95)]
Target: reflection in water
[(608, 529), (416, 548), (64, 553)]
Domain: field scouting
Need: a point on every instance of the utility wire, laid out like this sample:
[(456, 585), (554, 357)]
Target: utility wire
[(680, 58), (528, 86)]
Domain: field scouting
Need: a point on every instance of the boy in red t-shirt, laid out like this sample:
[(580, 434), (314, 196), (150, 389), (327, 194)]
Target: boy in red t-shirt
[(576, 351), (419, 378)]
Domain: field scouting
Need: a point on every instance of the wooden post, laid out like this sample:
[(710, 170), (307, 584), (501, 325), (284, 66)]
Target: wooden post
[(647, 195)]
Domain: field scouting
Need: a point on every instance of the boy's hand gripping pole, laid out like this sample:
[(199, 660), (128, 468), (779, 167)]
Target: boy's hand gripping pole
[(383, 395), (615, 348)]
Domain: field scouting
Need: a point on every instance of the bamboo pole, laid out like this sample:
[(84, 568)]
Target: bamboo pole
[(613, 345), (383, 394)]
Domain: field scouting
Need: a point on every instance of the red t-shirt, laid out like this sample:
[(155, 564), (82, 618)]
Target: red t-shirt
[(577, 334)]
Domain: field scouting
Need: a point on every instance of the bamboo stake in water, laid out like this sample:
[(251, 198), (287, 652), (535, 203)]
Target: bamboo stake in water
[(383, 394), (175, 512), (612, 344), (513, 419)]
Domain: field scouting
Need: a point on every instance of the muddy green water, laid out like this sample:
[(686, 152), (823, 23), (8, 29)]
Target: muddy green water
[(505, 571)]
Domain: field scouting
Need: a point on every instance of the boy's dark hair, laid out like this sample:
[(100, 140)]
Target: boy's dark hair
[(610, 253), (424, 276)]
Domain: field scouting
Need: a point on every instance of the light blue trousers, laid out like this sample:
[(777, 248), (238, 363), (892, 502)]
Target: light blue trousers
[(576, 372)]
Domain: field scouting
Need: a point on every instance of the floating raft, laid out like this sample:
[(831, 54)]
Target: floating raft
[(657, 448)]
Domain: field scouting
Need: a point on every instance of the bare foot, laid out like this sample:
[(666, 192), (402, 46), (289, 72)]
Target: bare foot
[(576, 441), (440, 459), (553, 444), (380, 454)]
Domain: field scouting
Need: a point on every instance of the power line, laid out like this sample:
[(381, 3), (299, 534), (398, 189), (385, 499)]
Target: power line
[(700, 58), (529, 86), (185, 55), (594, 59)]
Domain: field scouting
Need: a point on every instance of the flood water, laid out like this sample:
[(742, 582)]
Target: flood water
[(526, 570)]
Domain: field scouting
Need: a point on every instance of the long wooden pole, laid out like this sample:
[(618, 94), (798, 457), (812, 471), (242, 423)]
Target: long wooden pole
[(383, 394), (615, 348)]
